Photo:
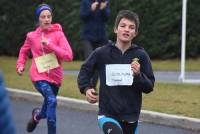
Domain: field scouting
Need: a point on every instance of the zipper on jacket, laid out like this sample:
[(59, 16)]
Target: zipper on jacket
[(43, 53)]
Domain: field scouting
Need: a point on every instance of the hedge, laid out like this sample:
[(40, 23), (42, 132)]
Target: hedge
[(159, 33)]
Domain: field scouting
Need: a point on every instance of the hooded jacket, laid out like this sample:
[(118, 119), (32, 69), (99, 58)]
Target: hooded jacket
[(94, 22), (120, 102), (7, 125), (58, 45)]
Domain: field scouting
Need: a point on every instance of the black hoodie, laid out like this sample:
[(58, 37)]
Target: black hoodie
[(119, 102)]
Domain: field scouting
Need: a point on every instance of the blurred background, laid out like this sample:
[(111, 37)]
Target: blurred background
[(159, 32)]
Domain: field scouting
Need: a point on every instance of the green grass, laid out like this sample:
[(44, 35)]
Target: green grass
[(180, 99), (158, 65), (75, 65), (174, 65)]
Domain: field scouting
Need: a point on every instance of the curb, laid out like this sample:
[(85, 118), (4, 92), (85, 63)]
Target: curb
[(146, 116)]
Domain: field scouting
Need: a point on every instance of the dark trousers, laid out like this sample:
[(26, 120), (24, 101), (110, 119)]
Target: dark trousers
[(113, 126), (88, 47), (129, 128)]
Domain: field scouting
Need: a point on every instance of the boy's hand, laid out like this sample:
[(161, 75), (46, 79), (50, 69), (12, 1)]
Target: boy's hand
[(90, 95), (135, 67), (94, 5), (20, 71)]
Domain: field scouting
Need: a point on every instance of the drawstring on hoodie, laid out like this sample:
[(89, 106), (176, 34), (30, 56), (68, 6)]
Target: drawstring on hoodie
[(43, 52)]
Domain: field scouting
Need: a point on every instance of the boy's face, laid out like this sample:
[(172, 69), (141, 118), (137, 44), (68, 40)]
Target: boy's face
[(126, 30)]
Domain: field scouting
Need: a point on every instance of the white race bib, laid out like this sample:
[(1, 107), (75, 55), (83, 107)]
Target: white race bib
[(46, 62), (119, 75)]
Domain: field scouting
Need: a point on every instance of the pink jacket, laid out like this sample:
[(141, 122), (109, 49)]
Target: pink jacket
[(58, 45)]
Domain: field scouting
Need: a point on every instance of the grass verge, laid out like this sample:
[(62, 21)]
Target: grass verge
[(179, 99)]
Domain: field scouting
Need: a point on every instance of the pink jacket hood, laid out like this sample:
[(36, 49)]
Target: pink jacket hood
[(53, 28)]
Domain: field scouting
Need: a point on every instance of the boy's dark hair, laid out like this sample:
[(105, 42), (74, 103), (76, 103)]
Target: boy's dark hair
[(128, 15)]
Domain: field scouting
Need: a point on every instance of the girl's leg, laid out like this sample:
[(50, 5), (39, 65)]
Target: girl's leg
[(109, 125), (37, 113), (51, 110), (49, 91), (40, 86)]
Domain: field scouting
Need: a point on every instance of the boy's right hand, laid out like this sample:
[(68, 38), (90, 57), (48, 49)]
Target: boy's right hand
[(91, 97), (20, 70)]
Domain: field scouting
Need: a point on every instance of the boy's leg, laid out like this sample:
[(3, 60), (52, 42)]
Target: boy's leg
[(109, 125), (129, 128)]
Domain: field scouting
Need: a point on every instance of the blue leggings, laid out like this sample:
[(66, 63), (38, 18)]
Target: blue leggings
[(112, 126), (49, 92)]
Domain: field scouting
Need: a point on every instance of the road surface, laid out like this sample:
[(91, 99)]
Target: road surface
[(71, 121), (164, 77)]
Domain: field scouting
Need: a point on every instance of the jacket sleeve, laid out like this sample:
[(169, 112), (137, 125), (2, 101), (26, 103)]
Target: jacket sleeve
[(23, 54), (105, 13), (62, 50), (85, 10), (6, 123), (86, 72), (145, 81)]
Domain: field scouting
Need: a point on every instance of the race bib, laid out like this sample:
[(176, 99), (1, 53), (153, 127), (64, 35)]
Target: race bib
[(119, 75), (46, 62)]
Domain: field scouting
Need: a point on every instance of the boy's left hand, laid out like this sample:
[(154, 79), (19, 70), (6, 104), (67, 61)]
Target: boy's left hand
[(135, 67)]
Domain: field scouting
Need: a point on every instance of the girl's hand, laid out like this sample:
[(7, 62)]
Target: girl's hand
[(44, 41), (20, 71)]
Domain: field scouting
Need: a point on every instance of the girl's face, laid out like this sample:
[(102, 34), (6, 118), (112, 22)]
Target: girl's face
[(126, 30), (45, 19)]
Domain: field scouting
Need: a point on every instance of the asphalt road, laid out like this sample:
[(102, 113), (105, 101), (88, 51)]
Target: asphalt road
[(71, 121)]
